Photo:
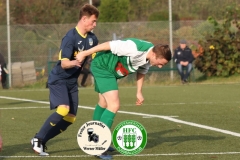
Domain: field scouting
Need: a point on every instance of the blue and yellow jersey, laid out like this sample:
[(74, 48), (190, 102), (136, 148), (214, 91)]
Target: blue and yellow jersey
[(72, 43)]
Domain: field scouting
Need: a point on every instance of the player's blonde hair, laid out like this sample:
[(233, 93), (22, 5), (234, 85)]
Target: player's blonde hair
[(88, 10), (162, 51)]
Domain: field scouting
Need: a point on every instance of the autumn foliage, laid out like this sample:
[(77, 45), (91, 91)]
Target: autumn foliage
[(219, 53)]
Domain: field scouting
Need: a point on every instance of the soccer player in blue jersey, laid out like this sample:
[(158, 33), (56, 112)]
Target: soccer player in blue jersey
[(62, 81)]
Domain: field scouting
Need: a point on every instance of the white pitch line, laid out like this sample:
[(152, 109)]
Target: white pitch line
[(138, 155), (148, 115), (26, 100), (184, 103), (25, 107)]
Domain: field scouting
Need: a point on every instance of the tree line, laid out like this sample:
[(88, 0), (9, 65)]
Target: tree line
[(67, 11)]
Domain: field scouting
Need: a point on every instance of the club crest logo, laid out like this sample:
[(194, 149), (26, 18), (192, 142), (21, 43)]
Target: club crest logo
[(94, 137), (90, 40), (129, 137)]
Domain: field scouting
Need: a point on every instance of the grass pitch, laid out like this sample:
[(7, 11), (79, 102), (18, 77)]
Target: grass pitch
[(183, 122)]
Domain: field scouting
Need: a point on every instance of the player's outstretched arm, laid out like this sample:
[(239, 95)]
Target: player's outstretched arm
[(101, 47), (66, 64), (140, 98)]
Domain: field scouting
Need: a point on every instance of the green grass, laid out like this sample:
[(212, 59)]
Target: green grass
[(216, 106)]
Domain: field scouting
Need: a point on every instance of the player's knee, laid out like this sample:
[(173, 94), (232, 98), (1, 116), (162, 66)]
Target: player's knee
[(102, 103), (113, 109), (69, 118), (62, 110)]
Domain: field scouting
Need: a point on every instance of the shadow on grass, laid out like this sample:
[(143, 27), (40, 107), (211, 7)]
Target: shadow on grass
[(158, 138), (155, 139), (25, 149)]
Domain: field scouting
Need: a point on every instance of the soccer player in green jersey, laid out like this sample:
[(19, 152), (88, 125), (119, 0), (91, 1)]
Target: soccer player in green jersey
[(115, 60)]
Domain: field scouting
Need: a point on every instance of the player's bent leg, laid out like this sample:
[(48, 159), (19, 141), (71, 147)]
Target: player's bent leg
[(112, 99), (38, 145), (113, 106), (60, 127), (99, 109)]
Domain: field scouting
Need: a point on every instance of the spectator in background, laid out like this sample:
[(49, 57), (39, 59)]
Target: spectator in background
[(3, 72), (183, 57)]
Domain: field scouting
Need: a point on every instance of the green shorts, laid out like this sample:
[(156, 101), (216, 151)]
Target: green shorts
[(104, 80)]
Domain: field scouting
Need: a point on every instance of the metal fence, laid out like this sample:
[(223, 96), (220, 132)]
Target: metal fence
[(40, 43)]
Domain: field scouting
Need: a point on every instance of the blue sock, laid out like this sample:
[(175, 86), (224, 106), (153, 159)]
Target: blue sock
[(59, 128), (51, 122)]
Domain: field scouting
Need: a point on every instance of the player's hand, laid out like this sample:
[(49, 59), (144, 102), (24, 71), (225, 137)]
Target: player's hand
[(140, 99), (79, 57), (76, 63)]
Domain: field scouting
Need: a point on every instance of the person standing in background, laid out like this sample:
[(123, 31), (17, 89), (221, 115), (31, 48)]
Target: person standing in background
[(3, 72), (183, 57)]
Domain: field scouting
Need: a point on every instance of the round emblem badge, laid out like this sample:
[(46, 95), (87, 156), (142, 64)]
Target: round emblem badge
[(94, 137), (129, 137)]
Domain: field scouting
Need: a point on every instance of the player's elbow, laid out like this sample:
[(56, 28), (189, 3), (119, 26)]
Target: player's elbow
[(63, 66), (65, 63)]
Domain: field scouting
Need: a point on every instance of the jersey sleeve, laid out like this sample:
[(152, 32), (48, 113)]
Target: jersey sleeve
[(67, 48), (144, 68), (123, 48)]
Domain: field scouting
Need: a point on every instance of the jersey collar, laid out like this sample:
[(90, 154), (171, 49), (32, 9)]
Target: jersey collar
[(84, 36)]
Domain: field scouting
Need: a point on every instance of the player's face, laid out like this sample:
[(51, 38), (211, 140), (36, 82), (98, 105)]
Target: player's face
[(90, 23), (158, 62)]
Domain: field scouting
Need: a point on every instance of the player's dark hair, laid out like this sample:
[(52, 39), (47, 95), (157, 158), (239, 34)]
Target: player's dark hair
[(162, 51), (88, 10)]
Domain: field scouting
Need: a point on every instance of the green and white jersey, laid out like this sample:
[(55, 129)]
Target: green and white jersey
[(125, 57)]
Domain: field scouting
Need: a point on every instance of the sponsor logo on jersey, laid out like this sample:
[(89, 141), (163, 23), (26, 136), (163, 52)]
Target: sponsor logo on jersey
[(121, 70), (81, 49)]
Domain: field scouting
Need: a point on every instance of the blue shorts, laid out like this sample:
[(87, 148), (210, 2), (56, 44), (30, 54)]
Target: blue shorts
[(62, 94)]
